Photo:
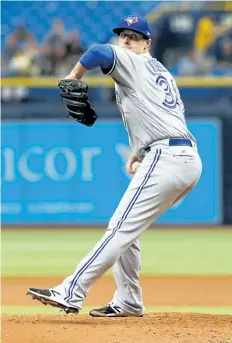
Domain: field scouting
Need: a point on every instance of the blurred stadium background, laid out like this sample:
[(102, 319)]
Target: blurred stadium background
[(57, 173)]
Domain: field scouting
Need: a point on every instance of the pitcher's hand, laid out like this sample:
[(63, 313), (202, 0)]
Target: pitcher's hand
[(132, 158)]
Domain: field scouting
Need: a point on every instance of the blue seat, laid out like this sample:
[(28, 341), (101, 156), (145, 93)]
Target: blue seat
[(93, 19)]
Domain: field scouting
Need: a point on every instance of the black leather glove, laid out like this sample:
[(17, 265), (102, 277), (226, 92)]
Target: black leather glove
[(75, 97)]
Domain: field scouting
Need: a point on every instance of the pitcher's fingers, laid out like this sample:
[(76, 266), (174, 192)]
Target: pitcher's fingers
[(129, 168)]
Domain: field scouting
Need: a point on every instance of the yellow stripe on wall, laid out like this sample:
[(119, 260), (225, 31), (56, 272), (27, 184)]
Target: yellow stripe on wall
[(105, 81)]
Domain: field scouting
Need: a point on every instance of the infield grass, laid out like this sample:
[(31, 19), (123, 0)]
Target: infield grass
[(164, 252)]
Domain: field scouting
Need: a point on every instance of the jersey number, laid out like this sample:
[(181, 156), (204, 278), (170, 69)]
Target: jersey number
[(171, 100)]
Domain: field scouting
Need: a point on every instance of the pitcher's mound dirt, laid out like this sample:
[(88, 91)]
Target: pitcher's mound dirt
[(152, 328)]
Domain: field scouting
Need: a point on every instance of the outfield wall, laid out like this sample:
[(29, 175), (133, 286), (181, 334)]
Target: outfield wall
[(63, 173)]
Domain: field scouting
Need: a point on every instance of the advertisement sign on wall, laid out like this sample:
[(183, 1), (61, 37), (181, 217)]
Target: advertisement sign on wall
[(63, 173)]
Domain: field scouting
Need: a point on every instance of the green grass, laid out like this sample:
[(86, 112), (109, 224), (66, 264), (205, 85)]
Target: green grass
[(86, 309), (164, 252)]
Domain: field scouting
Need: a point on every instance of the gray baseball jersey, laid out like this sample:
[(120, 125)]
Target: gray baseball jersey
[(148, 99)]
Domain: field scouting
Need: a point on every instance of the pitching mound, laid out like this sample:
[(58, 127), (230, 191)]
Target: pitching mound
[(152, 328)]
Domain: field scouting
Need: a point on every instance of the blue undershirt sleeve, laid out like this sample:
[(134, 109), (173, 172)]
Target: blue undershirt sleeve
[(99, 55)]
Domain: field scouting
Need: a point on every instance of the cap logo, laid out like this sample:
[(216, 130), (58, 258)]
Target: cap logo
[(131, 20)]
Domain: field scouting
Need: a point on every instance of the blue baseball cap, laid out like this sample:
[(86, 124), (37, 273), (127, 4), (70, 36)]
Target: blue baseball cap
[(135, 23)]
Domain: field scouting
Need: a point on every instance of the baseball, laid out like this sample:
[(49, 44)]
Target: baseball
[(135, 166)]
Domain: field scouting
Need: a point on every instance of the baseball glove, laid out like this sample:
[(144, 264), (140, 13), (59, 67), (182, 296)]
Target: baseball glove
[(75, 97)]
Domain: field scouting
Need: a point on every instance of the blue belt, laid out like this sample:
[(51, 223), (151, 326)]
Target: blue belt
[(176, 142), (180, 141)]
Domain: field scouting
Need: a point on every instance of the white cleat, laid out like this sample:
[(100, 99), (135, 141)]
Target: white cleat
[(51, 297), (111, 310)]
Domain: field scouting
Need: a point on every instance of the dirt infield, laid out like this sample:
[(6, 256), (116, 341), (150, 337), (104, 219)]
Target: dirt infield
[(157, 291), (152, 328)]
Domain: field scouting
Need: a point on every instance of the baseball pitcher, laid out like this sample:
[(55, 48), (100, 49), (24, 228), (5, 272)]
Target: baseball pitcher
[(153, 115)]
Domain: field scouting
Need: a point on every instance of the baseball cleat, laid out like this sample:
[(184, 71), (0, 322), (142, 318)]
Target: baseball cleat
[(111, 310), (51, 297)]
